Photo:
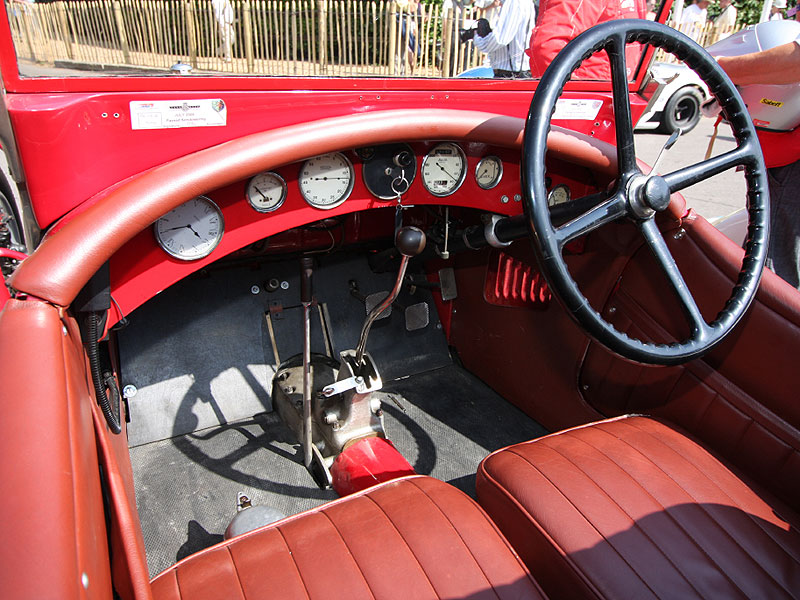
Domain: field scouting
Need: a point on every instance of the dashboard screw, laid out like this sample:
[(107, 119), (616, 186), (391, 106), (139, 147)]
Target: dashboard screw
[(255, 290), (129, 391), (284, 285), (504, 199), (517, 197)]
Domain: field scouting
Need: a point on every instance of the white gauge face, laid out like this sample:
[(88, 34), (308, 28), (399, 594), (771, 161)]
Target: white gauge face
[(192, 230), (489, 172), (558, 195), (266, 191), (444, 169), (326, 181)]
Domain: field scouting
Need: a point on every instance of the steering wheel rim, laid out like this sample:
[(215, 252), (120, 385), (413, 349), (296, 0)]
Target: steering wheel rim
[(639, 197)]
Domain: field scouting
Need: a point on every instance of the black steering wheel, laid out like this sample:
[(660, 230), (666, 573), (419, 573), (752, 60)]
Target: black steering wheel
[(639, 197)]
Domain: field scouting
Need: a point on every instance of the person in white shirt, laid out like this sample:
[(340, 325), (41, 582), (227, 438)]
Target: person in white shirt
[(223, 13), (693, 18), (775, 13), (727, 16), (507, 40)]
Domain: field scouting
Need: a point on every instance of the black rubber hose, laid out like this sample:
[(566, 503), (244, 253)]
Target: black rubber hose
[(93, 351)]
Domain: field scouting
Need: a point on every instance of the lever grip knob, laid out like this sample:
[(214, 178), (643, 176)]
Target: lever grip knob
[(410, 240)]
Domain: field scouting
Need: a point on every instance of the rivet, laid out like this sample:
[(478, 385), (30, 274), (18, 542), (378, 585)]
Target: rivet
[(104, 115), (116, 115)]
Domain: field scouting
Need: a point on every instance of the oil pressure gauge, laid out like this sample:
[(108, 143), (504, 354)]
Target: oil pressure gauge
[(444, 169), (266, 192), (489, 172)]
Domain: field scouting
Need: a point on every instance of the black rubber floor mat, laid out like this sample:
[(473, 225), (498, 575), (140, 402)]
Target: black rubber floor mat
[(444, 422)]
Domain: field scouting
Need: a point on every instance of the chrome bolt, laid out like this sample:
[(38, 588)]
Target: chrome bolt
[(504, 199), (679, 234), (129, 391), (517, 197), (255, 290), (284, 285)]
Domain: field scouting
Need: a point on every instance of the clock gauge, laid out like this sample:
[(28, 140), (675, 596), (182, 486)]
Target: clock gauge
[(444, 169), (192, 230), (326, 181), (489, 172), (266, 192), (558, 195)]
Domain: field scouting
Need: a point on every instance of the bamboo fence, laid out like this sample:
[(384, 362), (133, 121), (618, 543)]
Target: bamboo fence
[(339, 38), (264, 37)]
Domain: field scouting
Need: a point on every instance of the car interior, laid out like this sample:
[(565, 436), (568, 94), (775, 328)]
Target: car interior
[(407, 352)]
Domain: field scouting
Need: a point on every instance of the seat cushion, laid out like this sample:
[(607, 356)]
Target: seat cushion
[(633, 508), (415, 537)]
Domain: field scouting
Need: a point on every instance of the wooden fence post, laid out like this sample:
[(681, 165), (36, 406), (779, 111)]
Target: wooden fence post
[(322, 21), (392, 38), (191, 38), (26, 26), (123, 37), (248, 36), (64, 26)]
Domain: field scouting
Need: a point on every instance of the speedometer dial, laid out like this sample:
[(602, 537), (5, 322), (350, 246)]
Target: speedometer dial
[(444, 169), (326, 181)]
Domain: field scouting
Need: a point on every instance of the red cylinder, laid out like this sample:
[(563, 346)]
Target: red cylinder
[(366, 463)]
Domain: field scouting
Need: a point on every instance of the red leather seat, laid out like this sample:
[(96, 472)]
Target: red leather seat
[(415, 537), (632, 508)]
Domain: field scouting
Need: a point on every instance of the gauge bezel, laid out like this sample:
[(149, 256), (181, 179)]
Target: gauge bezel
[(496, 181), (344, 196), (284, 191), (462, 176), (217, 239), (558, 186)]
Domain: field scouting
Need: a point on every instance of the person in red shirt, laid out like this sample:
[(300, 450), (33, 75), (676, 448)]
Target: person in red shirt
[(562, 20)]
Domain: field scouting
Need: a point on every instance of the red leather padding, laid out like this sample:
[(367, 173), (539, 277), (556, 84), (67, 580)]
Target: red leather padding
[(415, 537), (632, 508)]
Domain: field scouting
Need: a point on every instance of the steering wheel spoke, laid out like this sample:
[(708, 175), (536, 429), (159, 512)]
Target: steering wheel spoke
[(688, 176), (605, 212), (623, 123), (666, 261)]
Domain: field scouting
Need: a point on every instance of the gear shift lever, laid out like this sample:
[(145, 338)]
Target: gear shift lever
[(409, 241)]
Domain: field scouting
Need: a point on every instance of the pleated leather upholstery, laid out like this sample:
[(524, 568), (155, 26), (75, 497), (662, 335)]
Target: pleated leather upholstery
[(632, 508), (411, 538)]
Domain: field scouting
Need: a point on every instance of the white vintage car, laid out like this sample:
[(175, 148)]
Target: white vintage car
[(677, 100)]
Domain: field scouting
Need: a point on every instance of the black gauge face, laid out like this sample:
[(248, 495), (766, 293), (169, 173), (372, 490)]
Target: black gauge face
[(489, 172), (389, 170), (444, 169)]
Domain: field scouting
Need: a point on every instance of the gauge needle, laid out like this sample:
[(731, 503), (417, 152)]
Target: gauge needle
[(179, 227), (193, 231), (326, 178), (445, 171), (263, 195)]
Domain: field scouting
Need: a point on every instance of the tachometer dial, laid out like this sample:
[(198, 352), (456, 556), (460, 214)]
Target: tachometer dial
[(326, 181), (489, 172), (192, 230), (444, 169), (266, 191)]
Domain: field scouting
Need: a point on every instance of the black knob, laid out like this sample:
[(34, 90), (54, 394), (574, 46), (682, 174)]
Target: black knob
[(410, 240), (403, 158)]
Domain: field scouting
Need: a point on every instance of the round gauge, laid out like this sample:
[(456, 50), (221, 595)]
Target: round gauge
[(326, 181), (192, 230), (444, 169), (558, 195), (489, 172), (266, 192)]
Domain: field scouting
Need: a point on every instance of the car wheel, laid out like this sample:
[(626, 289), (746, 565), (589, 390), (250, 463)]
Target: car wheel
[(682, 111)]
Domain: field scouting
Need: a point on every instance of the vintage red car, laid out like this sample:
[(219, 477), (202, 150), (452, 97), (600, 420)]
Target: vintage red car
[(396, 335)]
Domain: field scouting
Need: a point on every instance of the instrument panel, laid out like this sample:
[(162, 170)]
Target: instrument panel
[(471, 175)]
